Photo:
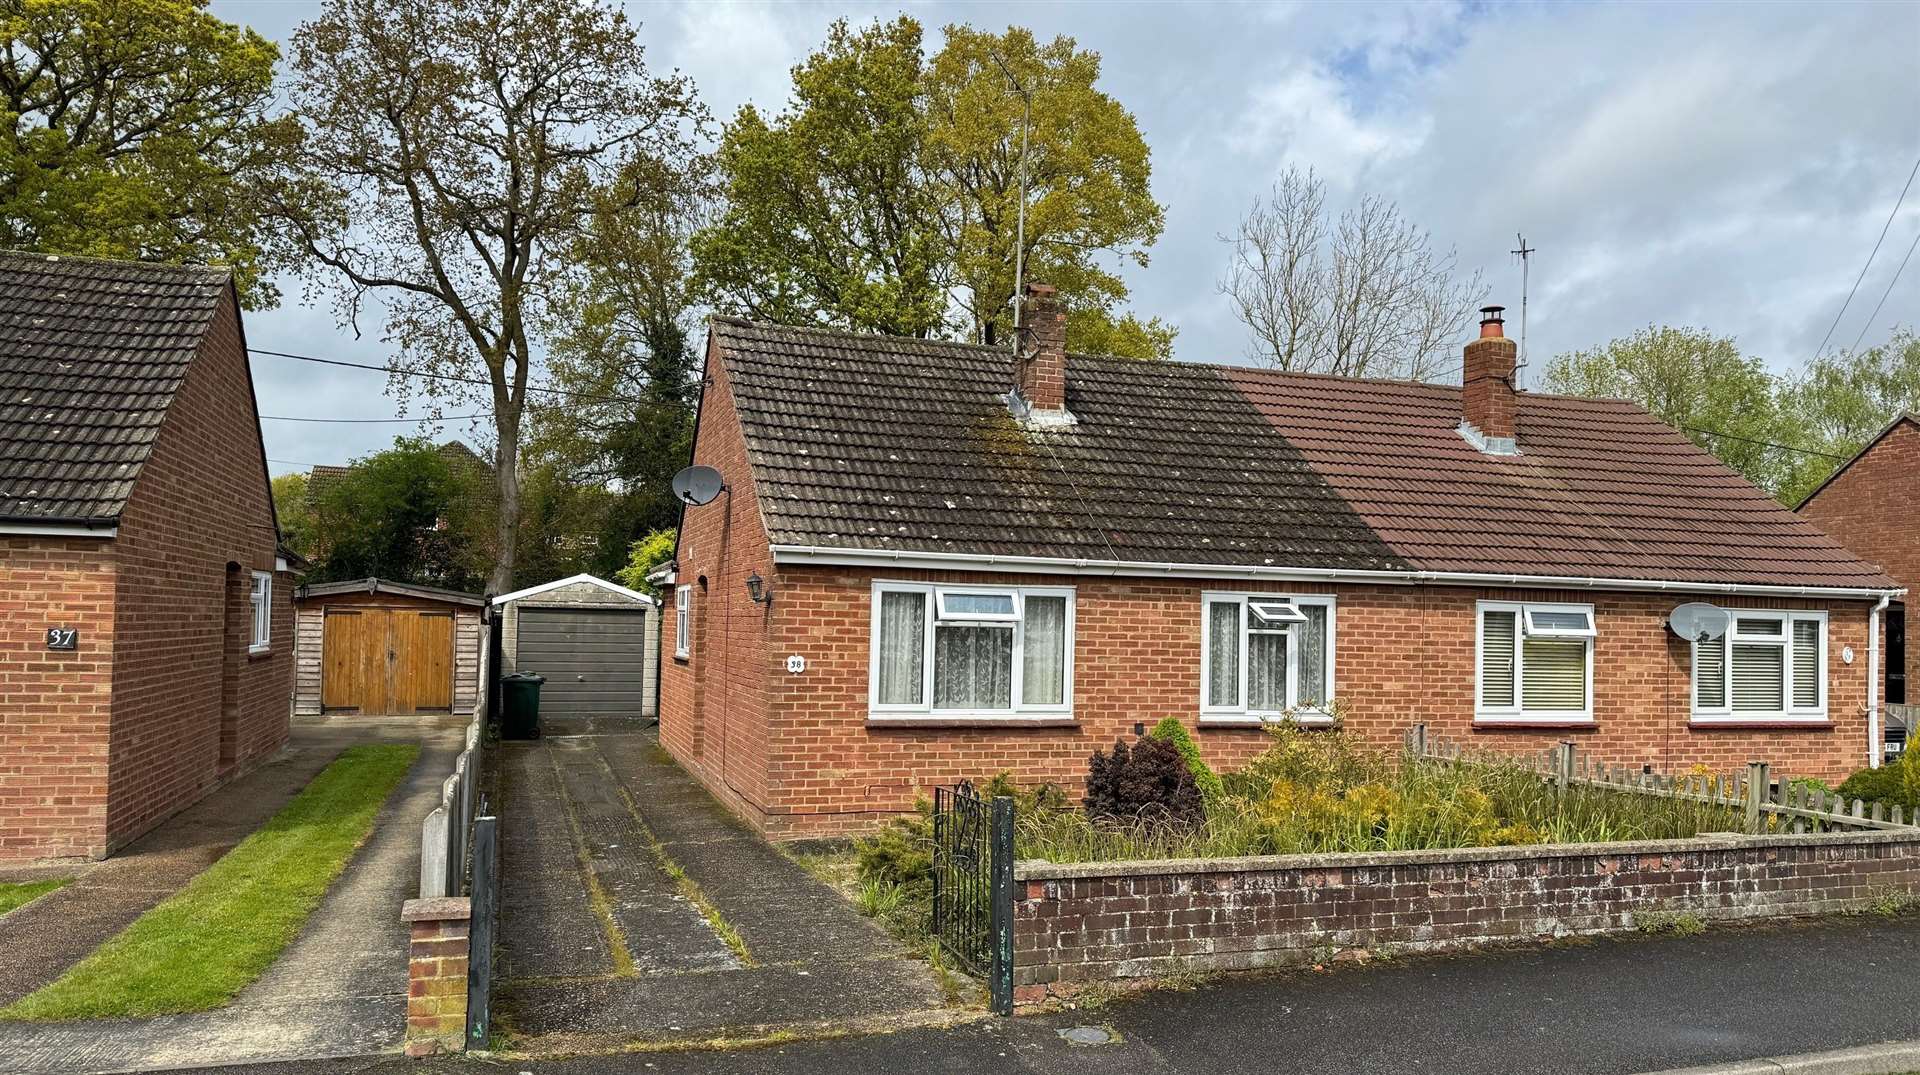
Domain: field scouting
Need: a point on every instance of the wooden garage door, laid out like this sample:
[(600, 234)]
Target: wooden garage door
[(386, 661), (594, 659)]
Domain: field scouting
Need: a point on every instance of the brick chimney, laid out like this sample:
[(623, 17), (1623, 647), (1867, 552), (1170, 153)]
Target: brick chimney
[(1040, 366), (1486, 396)]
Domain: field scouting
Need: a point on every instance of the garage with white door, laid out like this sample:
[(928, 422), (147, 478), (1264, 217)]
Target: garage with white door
[(596, 643)]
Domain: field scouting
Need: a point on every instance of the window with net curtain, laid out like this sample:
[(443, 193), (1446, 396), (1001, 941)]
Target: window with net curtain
[(1768, 666), (972, 650), (1266, 656), (1535, 662)]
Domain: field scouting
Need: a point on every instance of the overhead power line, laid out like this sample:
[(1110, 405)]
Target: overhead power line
[(1870, 255), (1888, 291), (1766, 443), (455, 378), (374, 421)]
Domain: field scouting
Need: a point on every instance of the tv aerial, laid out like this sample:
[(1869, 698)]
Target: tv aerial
[(698, 485), (1697, 621)]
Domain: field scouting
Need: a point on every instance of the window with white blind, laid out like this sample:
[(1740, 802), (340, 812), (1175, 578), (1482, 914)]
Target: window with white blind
[(1534, 662), (971, 651), (1768, 666), (1265, 657)]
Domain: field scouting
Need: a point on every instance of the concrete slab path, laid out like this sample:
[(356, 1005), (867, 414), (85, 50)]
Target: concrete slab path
[(338, 990), (636, 908)]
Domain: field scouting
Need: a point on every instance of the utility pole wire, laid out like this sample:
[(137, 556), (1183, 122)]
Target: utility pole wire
[(1863, 269), (457, 379), (1888, 291)]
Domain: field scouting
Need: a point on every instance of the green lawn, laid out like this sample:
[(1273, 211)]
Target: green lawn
[(20, 893), (203, 944)]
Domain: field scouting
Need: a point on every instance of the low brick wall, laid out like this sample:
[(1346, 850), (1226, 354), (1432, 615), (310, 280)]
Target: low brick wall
[(1081, 923)]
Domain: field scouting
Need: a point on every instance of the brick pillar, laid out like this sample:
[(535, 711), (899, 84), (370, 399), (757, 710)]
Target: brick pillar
[(1486, 393), (436, 974)]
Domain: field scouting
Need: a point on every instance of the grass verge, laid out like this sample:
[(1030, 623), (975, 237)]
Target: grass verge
[(15, 894), (206, 942)]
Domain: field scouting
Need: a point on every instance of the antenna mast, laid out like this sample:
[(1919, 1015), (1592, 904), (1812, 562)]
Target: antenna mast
[(1020, 227), (1524, 251)]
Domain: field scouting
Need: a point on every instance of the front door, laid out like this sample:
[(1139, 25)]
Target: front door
[(1897, 653), (386, 661)]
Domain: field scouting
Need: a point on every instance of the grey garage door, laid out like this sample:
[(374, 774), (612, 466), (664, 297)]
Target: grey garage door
[(594, 659)]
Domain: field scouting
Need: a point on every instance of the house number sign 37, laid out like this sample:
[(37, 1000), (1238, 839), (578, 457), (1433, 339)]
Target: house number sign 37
[(63, 638)]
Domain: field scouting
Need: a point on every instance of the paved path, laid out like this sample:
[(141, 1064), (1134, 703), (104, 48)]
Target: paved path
[(1615, 1007), (600, 944), (339, 989)]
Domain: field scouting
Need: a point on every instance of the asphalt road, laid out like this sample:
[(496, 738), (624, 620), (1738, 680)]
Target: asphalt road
[(1613, 1007)]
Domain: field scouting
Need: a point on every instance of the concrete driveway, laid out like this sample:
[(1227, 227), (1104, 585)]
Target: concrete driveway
[(338, 990), (636, 909)]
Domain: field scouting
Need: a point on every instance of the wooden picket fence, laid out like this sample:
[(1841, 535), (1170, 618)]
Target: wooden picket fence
[(1768, 802)]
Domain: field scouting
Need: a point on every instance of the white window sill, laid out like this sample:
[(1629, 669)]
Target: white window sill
[(1532, 720), (1254, 720), (1763, 720), (260, 651), (970, 720)]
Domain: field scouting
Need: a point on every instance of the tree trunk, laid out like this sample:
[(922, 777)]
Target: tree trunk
[(506, 479)]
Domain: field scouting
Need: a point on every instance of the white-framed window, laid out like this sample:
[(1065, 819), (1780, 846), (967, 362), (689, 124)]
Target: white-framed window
[(1534, 662), (262, 601), (1266, 657), (971, 651), (1768, 666), (682, 621)]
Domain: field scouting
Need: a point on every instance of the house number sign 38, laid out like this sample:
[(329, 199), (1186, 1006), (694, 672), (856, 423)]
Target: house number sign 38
[(63, 638)]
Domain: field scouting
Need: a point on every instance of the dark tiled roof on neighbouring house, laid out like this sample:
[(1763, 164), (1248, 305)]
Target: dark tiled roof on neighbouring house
[(91, 354), (865, 442)]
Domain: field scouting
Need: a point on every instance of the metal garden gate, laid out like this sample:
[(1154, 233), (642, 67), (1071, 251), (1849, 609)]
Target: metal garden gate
[(973, 886)]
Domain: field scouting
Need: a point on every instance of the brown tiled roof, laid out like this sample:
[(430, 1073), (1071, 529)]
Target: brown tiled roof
[(91, 354), (878, 443)]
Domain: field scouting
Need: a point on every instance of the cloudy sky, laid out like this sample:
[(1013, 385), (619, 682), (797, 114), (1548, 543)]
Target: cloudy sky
[(1726, 165)]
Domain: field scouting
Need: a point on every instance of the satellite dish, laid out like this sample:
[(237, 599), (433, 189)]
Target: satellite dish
[(698, 485), (1698, 621)]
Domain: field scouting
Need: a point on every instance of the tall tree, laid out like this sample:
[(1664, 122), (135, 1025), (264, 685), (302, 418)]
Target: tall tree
[(886, 196), (134, 129), (452, 150), (1088, 173), (1694, 381), (1365, 295), (1840, 401), (295, 512), (627, 358), (827, 218)]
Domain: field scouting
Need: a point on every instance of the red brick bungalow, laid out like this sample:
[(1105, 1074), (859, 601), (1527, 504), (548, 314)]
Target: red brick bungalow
[(934, 562), (145, 625), (1872, 504)]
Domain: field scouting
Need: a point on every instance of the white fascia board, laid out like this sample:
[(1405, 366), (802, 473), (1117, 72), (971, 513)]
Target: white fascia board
[(58, 530), (815, 554), (591, 580)]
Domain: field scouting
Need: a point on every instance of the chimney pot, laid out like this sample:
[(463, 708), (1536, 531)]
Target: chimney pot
[(1491, 321), (1040, 366)]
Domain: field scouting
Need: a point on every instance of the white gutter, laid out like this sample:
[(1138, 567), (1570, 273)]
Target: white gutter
[(1874, 748), (816, 554), (58, 530)]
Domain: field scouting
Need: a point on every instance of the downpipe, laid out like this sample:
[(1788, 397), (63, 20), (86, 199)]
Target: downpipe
[(1874, 747)]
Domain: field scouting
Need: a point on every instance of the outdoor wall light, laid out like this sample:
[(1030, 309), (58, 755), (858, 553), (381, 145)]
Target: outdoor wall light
[(757, 589)]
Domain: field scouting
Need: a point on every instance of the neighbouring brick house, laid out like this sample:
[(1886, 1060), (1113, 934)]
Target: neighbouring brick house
[(1872, 505), (933, 561), (145, 624)]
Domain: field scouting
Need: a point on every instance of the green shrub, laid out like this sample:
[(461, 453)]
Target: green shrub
[(1211, 787), (1878, 785), (1149, 782), (900, 853)]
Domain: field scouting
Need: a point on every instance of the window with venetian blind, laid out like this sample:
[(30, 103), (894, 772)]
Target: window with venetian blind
[(1534, 662), (1265, 657), (1768, 666), (953, 651)]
